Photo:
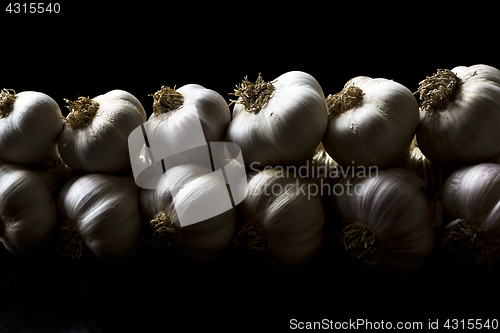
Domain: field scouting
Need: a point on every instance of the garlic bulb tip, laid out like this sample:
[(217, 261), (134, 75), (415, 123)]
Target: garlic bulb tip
[(471, 244), (7, 99), (254, 96), (82, 111), (165, 231), (166, 99)]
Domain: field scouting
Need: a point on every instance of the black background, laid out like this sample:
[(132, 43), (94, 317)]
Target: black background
[(87, 50)]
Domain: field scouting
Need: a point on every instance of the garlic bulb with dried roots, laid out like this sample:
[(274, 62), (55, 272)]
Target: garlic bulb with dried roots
[(197, 190), (371, 123), (174, 109), (460, 115), (386, 218), (471, 197), (95, 134), (283, 219), (30, 123), (279, 122), (28, 212), (101, 212)]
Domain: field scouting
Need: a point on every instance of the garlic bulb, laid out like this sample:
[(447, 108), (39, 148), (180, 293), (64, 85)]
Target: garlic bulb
[(279, 122), (30, 123), (95, 135), (100, 211), (372, 123), (387, 219), (196, 189), (460, 115), (471, 197), (28, 212), (282, 219), (175, 110)]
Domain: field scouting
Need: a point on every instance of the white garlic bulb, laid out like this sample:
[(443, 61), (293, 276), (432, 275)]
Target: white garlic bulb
[(28, 212), (30, 123), (372, 123), (471, 198), (95, 134), (174, 109), (460, 115), (279, 122), (283, 219), (100, 211), (386, 219), (196, 188)]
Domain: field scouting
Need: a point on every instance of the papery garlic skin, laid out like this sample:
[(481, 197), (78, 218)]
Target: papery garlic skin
[(102, 145), (289, 217), (29, 131), (378, 129), (287, 129), (28, 212), (472, 194), (194, 185), (465, 130), (393, 208), (105, 210)]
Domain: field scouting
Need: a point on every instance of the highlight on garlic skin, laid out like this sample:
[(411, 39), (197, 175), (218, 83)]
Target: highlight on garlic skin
[(471, 197), (195, 186), (460, 115), (387, 220), (100, 212), (30, 123), (281, 219), (430, 173), (95, 133), (28, 212), (371, 123), (279, 122)]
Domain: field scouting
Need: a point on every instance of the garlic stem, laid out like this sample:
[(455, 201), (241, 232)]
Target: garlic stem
[(82, 111), (71, 240), (166, 99), (363, 243), (165, 231), (254, 96), (348, 98), (438, 90), (251, 238), (7, 99), (469, 243)]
